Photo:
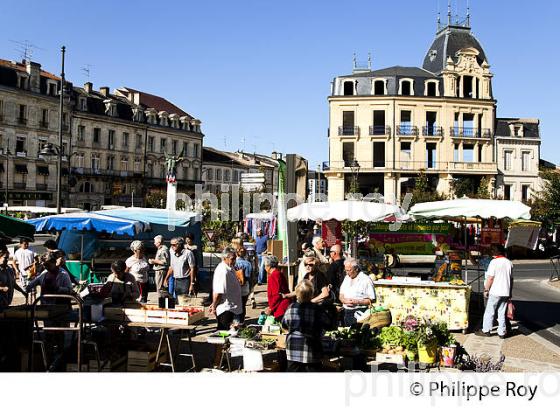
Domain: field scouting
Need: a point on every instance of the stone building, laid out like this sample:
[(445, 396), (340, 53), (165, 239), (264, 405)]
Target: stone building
[(113, 143), (29, 114), (387, 125)]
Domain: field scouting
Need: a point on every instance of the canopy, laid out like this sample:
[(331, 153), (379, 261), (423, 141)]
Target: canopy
[(483, 208), (343, 211), (153, 216), (260, 215), (88, 221), (41, 209), (13, 227)]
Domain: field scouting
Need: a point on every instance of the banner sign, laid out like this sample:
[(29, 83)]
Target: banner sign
[(331, 232), (410, 239)]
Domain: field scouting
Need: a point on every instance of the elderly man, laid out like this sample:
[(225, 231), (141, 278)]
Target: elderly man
[(182, 269), (160, 263), (335, 273), (497, 288), (278, 288), (226, 298), (261, 244), (356, 292), (318, 247)]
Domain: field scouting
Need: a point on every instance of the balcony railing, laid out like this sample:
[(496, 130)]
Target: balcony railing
[(20, 185), (22, 120), (432, 131), (469, 132), (21, 154), (346, 130), (414, 166), (379, 130), (41, 187), (44, 124), (405, 129)]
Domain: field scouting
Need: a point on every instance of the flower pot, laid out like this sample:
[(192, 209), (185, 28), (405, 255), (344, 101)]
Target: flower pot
[(410, 355), (447, 356), (427, 354)]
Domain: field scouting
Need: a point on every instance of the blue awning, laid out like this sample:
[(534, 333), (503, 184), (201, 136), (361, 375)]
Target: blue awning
[(155, 216), (88, 221)]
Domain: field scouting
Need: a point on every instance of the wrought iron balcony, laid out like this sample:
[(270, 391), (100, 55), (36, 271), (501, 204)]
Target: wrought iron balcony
[(432, 131), (41, 187), (20, 185), (405, 129), (469, 132), (379, 130), (350, 131)]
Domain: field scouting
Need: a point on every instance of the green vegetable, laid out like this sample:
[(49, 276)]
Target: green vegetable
[(391, 336), (247, 333)]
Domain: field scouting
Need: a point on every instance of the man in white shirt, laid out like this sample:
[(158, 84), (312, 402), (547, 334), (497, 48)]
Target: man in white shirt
[(23, 260), (226, 298), (356, 292), (497, 288)]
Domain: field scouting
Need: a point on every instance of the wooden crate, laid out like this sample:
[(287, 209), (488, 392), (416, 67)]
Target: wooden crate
[(178, 317), (143, 361)]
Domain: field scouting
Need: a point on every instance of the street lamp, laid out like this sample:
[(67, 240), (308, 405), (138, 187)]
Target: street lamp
[(7, 154), (355, 168)]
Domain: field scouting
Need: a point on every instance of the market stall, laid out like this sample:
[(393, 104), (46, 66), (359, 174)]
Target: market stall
[(15, 228), (265, 221)]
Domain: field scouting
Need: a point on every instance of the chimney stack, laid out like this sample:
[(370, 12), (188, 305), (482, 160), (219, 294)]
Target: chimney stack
[(104, 91), (88, 87), (34, 71)]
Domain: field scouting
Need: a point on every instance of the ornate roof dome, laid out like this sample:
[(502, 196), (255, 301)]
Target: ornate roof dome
[(448, 41)]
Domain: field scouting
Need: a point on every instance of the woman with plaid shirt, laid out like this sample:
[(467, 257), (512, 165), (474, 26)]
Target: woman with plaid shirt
[(305, 322)]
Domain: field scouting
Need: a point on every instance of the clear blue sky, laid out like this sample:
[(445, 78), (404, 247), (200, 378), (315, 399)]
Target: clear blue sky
[(261, 69)]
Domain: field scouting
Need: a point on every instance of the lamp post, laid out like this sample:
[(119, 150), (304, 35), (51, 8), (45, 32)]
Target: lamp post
[(7, 153), (355, 168), (60, 125)]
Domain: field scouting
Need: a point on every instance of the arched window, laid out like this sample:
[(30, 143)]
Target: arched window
[(431, 89), (406, 87), (87, 187), (379, 87), (348, 87)]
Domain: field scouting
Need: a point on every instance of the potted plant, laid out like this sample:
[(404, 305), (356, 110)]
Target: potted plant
[(427, 344), (410, 343)]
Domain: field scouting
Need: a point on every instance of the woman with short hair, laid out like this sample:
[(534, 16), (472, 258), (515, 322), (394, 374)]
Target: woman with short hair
[(137, 265), (305, 322), (121, 285)]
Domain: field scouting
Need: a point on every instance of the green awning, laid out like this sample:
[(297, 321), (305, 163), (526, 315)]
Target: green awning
[(15, 228)]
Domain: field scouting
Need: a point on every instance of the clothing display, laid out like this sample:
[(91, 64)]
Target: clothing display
[(266, 223)]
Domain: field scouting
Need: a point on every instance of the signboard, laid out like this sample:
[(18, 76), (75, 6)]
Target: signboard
[(331, 232), (491, 236), (27, 196), (209, 234), (410, 239)]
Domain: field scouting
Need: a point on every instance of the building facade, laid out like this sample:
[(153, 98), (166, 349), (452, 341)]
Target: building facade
[(29, 117), (518, 151), (316, 185), (388, 125), (114, 144)]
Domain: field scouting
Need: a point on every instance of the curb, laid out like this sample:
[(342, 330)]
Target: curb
[(538, 338), (546, 284)]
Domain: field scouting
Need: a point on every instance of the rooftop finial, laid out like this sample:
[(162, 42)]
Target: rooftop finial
[(438, 21), (448, 12), (369, 61), (354, 62), (468, 14)]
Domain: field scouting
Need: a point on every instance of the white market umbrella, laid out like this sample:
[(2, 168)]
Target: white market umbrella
[(469, 208), (353, 210)]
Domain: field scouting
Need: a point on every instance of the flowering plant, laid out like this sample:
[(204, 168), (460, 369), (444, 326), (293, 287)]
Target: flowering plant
[(426, 335), (410, 324)]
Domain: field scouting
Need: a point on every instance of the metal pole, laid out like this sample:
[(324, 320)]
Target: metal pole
[(61, 111), (7, 166)]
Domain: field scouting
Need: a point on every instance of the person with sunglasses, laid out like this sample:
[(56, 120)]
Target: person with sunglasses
[(335, 273)]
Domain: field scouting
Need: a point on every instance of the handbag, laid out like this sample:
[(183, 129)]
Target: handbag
[(510, 310), (240, 275)]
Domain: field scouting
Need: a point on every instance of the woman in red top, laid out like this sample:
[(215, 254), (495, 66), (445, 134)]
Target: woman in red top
[(277, 288)]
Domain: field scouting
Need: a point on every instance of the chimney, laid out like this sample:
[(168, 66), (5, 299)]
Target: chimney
[(34, 71), (104, 91), (88, 87)]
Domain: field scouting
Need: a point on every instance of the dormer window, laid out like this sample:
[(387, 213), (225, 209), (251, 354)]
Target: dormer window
[(110, 108), (431, 89), (163, 119), (83, 104), (348, 87), (406, 87), (379, 87), (52, 89)]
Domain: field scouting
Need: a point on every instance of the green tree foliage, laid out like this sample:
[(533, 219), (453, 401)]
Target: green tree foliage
[(483, 191), (423, 191), (545, 206), (156, 199)]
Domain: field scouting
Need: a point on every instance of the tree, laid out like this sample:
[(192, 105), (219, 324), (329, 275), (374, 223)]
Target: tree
[(545, 206), (483, 191), (423, 191), (156, 199)]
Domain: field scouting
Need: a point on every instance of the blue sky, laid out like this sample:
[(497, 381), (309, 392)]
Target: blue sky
[(260, 70)]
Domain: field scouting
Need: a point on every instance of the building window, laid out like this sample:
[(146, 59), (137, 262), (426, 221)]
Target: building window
[(379, 87), (431, 155), (96, 135), (44, 118), (87, 187), (235, 176), (406, 152), (1, 110), (162, 145), (150, 168), (348, 123), (431, 124), (80, 160), (95, 161), (525, 161), (507, 160), (468, 153), (151, 143), (480, 159), (83, 104), (524, 193), (138, 141), (406, 87), (406, 123), (456, 152), (195, 150), (137, 164), (110, 162), (22, 119), (467, 86), (348, 153), (218, 175), (52, 89), (124, 164), (81, 132), (378, 122), (174, 147), (348, 87), (507, 192), (379, 154), (431, 88), (20, 145), (210, 174), (111, 139), (226, 175), (125, 139)]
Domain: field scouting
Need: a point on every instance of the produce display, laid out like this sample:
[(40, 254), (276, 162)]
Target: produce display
[(444, 302)]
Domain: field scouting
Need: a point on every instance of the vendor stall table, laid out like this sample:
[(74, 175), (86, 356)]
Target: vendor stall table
[(436, 301)]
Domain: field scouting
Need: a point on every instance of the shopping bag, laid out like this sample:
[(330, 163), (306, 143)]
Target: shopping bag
[(510, 312), (240, 275)]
